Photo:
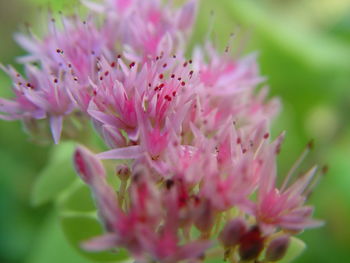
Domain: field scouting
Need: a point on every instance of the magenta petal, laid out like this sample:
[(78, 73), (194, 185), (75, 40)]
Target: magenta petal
[(130, 152), (56, 127)]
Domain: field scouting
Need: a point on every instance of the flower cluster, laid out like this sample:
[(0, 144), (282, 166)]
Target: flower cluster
[(197, 166)]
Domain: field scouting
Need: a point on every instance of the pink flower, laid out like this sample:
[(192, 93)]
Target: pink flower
[(148, 104), (41, 94), (72, 51), (229, 89), (192, 135), (144, 26), (148, 227), (283, 207)]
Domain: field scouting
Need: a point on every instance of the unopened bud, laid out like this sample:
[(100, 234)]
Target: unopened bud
[(277, 248), (87, 165), (233, 232), (123, 172), (205, 217), (251, 244)]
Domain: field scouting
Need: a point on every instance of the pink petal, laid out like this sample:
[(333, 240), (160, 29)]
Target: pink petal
[(130, 152), (187, 15), (9, 106), (101, 243), (26, 43), (56, 127), (93, 6)]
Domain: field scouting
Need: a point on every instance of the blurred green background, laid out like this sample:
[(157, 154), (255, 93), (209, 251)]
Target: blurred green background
[(304, 51)]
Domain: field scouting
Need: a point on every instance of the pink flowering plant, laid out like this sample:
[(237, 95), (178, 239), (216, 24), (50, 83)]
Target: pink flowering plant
[(192, 170)]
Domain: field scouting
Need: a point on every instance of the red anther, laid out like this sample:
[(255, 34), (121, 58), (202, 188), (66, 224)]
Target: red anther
[(266, 135), (132, 64), (310, 144), (325, 169), (161, 76)]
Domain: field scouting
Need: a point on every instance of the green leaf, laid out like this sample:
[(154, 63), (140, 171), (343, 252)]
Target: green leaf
[(61, 5), (81, 227), (315, 50), (57, 175), (79, 222), (77, 198), (51, 245), (296, 247)]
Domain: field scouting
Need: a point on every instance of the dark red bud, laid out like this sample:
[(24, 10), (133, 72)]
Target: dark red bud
[(205, 217), (251, 244), (233, 232)]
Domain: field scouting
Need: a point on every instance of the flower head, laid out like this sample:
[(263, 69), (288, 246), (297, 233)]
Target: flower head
[(192, 136)]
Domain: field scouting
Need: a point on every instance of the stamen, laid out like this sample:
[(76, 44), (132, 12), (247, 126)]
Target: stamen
[(315, 181), (296, 165)]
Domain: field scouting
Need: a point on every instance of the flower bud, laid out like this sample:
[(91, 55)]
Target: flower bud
[(123, 172), (251, 244), (277, 248), (233, 232), (205, 216), (87, 165)]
